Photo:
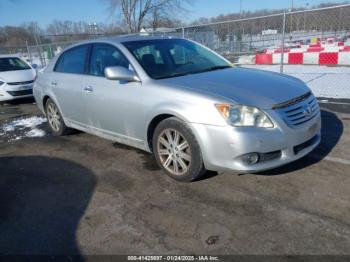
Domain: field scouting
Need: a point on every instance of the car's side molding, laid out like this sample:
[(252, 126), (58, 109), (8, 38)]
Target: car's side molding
[(130, 141)]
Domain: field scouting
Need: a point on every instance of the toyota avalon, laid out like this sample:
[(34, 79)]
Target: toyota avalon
[(181, 101)]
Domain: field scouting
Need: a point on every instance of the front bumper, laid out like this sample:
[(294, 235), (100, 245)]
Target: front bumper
[(223, 147), (13, 92)]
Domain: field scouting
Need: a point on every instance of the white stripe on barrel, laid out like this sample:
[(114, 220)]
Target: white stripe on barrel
[(344, 58), (311, 58)]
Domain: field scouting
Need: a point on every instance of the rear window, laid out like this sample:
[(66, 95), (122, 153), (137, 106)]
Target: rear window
[(12, 64), (73, 61)]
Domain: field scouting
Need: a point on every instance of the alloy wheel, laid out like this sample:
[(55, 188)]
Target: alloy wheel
[(54, 117), (174, 152)]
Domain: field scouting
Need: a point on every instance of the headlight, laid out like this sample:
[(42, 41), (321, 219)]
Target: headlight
[(239, 115)]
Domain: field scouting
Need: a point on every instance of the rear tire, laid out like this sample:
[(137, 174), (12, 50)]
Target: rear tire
[(55, 119), (177, 151)]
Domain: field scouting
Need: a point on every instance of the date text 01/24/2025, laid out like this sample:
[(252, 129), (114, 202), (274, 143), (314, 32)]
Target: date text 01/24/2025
[(173, 258)]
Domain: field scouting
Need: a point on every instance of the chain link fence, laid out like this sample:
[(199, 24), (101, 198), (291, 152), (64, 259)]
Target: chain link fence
[(313, 45), (42, 54)]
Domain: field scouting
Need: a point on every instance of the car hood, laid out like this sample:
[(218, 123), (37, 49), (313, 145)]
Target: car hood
[(17, 76), (244, 86)]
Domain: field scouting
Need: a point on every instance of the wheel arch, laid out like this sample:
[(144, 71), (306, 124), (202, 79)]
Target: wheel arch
[(153, 125), (45, 98), (44, 101)]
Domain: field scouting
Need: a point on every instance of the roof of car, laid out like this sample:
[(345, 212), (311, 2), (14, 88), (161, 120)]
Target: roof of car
[(126, 38), (118, 39)]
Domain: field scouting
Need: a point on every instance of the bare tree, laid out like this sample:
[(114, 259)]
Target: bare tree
[(163, 16), (136, 12)]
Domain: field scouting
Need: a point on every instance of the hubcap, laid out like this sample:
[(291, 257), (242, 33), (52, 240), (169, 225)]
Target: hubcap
[(174, 152), (53, 117)]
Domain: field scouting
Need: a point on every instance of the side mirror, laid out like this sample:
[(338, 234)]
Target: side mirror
[(35, 66), (121, 73)]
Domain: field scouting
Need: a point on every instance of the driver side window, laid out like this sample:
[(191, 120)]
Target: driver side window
[(104, 55)]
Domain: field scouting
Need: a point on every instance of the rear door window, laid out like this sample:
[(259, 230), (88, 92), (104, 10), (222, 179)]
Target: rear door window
[(73, 61)]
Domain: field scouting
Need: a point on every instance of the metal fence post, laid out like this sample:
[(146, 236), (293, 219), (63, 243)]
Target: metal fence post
[(29, 53), (183, 32), (283, 38)]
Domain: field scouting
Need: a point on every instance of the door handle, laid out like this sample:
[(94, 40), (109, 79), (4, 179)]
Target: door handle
[(54, 83), (88, 89)]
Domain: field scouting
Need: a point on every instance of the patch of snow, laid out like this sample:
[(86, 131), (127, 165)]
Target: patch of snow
[(30, 122), (21, 128), (8, 128), (36, 133)]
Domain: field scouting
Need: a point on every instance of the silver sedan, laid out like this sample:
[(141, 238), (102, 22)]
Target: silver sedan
[(181, 101)]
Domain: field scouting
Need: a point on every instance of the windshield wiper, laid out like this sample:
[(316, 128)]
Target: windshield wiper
[(196, 72), (214, 68)]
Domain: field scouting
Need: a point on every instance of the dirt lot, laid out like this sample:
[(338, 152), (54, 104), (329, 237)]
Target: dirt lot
[(80, 194)]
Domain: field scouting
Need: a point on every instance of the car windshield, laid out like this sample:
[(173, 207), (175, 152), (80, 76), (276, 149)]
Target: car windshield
[(12, 64), (166, 58)]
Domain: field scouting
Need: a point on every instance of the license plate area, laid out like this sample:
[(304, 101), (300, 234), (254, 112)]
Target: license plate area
[(25, 87), (312, 129)]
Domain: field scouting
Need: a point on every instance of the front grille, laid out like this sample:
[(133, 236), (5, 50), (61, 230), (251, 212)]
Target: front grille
[(304, 145), (21, 93), (21, 83), (300, 112)]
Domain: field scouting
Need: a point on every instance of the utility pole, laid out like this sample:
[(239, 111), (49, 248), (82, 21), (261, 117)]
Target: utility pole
[(240, 8), (307, 5), (29, 53), (283, 42), (93, 29)]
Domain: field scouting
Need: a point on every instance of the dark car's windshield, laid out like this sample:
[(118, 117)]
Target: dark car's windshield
[(167, 58), (12, 64)]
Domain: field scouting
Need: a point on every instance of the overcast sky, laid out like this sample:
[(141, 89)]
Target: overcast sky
[(44, 11)]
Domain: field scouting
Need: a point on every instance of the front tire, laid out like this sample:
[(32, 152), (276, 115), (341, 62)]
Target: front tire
[(55, 119), (177, 151)]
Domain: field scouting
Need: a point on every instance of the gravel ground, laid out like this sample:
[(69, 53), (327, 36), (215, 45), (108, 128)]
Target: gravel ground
[(84, 195)]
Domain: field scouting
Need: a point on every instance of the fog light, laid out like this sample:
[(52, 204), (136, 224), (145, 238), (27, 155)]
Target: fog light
[(251, 159)]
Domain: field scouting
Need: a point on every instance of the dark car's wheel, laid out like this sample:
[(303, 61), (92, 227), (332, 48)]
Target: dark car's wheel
[(55, 119), (177, 150)]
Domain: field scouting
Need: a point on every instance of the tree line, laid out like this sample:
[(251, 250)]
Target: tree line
[(130, 16), (324, 20)]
